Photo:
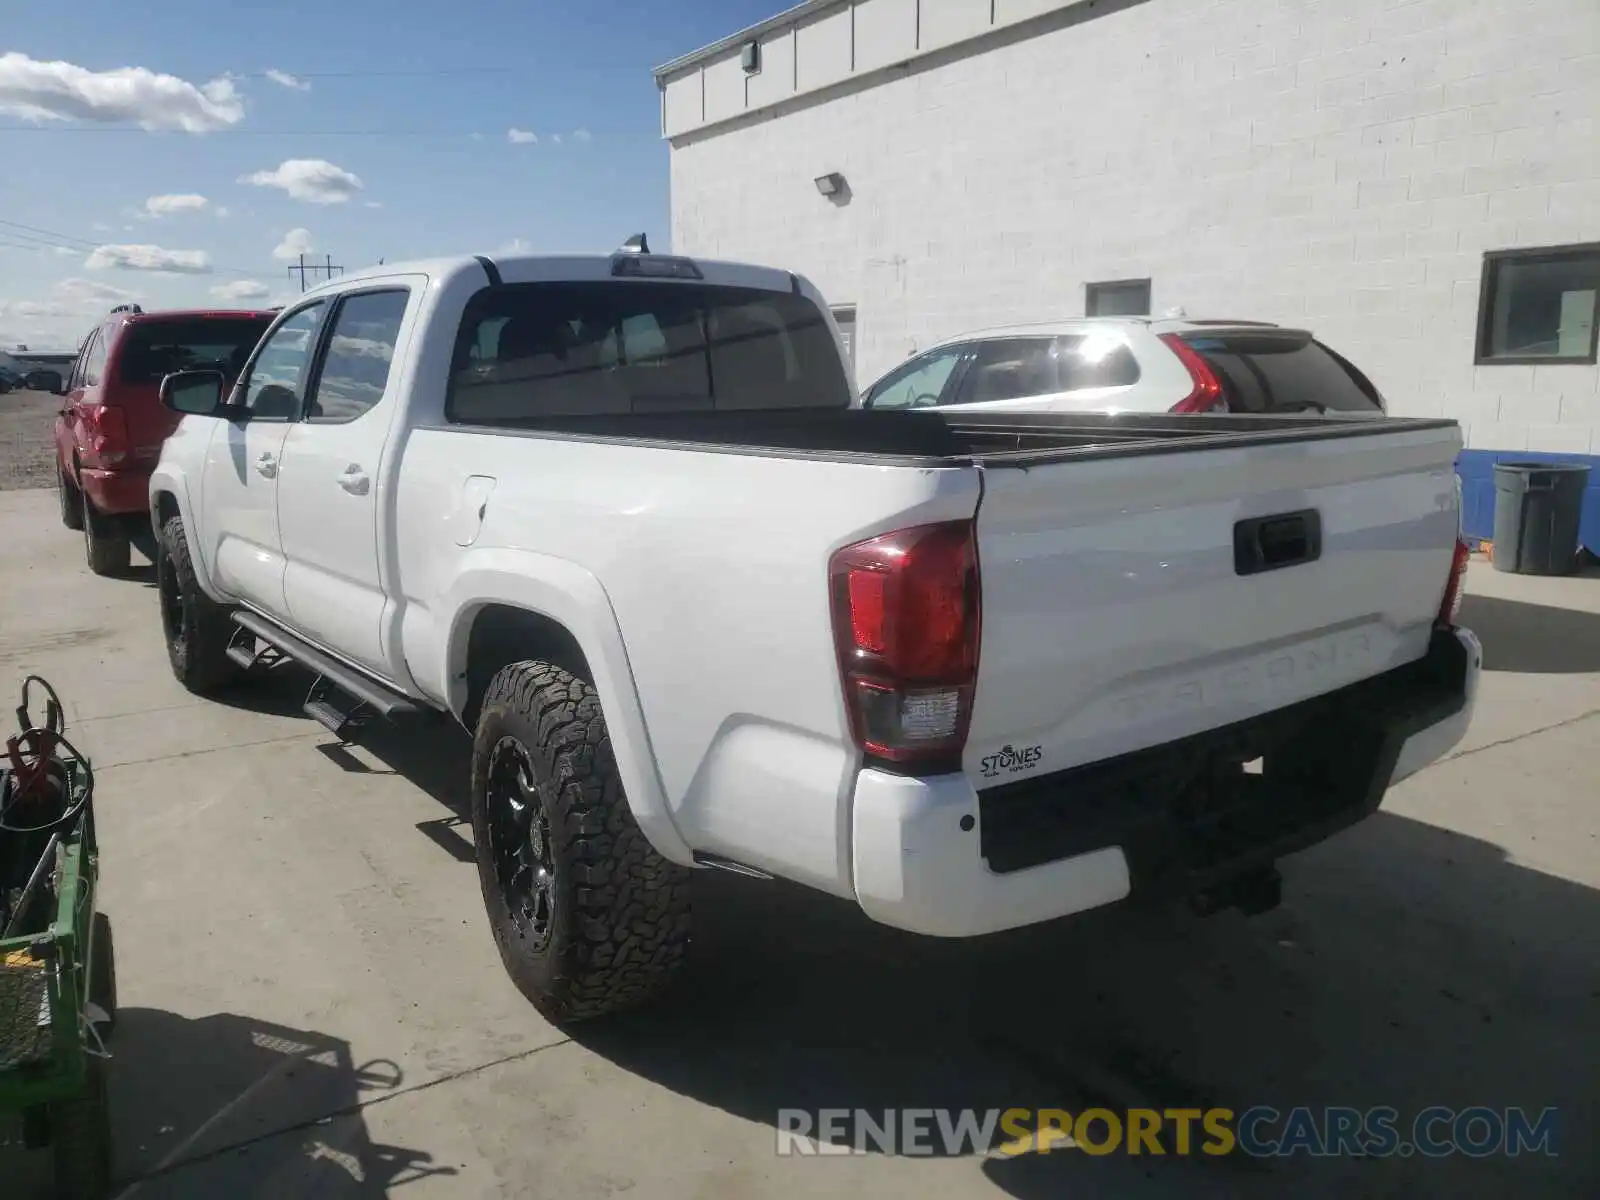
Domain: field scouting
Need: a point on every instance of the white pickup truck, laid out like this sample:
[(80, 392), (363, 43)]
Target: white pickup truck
[(618, 517)]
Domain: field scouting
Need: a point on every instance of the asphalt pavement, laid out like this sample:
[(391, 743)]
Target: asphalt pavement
[(311, 1005)]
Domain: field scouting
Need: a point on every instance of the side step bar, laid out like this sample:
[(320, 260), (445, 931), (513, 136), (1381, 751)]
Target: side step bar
[(340, 698)]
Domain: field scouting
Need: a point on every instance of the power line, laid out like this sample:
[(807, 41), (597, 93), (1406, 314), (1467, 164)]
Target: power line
[(463, 134), (328, 268), (49, 239), (430, 72)]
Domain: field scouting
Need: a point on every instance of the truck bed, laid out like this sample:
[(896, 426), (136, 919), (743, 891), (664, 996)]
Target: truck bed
[(935, 438)]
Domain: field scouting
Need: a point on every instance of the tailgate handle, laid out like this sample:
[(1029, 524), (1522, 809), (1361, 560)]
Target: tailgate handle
[(1272, 543)]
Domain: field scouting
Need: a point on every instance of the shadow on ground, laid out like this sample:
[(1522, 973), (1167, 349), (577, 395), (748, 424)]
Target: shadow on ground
[(1533, 638), (1409, 967), (228, 1106)]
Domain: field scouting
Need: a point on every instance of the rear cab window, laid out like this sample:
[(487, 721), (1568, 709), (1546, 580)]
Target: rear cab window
[(151, 350), (1284, 371), (537, 350)]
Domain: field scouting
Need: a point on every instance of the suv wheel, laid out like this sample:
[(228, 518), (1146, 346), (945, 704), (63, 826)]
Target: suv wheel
[(589, 919), (71, 504), (195, 627), (105, 546)]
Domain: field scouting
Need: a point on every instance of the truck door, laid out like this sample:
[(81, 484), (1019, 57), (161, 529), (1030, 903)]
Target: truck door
[(240, 489), (330, 496)]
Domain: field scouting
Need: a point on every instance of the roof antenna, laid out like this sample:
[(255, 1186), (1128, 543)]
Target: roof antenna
[(637, 244)]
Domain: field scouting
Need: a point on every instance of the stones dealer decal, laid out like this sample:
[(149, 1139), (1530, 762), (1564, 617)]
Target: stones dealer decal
[(1012, 760)]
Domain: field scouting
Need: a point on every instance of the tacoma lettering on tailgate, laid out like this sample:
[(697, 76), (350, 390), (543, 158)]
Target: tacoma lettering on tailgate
[(1307, 669)]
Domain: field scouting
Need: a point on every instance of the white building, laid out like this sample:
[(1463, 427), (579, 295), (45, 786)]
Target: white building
[(1418, 181)]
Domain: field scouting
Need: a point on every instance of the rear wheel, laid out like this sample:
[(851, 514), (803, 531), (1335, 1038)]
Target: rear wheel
[(71, 505), (105, 546), (588, 917), (196, 628), (103, 974)]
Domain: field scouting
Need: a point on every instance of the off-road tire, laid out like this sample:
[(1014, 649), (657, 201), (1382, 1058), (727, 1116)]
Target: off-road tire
[(71, 504), (195, 627), (618, 924), (103, 974), (80, 1132), (105, 547)]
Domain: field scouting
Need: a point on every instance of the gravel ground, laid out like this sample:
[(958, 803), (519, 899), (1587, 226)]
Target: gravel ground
[(25, 439)]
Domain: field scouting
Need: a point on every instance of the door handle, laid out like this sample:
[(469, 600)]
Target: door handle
[(354, 480), (267, 465)]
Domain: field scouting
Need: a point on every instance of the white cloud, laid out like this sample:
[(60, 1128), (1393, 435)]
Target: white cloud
[(171, 205), (583, 135), (477, 137), (515, 246), (556, 138), (90, 293), (220, 211), (520, 137), (295, 243), (241, 289), (314, 180), (100, 227), (66, 251), (63, 91), (373, 203), (284, 79), (149, 258)]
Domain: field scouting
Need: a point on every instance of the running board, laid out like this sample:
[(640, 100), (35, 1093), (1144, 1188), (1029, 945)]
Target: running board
[(366, 694), (717, 862)]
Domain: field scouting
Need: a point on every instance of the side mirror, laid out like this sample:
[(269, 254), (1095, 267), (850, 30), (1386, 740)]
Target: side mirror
[(46, 381), (194, 393)]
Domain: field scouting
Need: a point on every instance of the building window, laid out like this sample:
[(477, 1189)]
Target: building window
[(844, 315), (1539, 306), (1118, 298)]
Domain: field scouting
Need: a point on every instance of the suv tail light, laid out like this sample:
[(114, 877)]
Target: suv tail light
[(1450, 606), (1207, 394), (107, 430), (906, 626)]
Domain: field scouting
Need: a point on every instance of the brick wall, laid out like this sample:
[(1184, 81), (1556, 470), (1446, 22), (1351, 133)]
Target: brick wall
[(1337, 163)]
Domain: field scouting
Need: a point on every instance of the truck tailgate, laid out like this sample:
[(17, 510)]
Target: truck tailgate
[(1119, 613)]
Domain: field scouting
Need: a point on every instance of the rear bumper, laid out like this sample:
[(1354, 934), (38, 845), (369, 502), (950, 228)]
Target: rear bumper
[(937, 857), (117, 493)]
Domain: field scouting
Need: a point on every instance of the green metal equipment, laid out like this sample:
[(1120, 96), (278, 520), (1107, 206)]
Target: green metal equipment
[(57, 974)]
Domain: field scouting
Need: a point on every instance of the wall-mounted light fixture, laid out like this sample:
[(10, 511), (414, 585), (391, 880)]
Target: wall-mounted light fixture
[(830, 184), (750, 57)]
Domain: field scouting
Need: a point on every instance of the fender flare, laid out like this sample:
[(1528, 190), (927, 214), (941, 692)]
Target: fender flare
[(167, 480), (574, 598)]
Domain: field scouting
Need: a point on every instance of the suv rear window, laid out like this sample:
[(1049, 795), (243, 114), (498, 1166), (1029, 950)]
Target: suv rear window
[(152, 350), (1284, 372), (527, 351)]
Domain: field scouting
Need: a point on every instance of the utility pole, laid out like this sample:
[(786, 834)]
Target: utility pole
[(302, 269)]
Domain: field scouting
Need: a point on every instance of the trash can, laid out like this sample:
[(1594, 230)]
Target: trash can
[(1537, 508)]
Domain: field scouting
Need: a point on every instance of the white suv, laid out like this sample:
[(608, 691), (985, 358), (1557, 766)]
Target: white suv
[(1131, 364)]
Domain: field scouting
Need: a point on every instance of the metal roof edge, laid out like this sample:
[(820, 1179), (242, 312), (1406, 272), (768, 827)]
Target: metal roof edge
[(787, 17)]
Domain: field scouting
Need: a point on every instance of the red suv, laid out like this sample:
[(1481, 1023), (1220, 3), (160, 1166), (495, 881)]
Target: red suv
[(112, 423)]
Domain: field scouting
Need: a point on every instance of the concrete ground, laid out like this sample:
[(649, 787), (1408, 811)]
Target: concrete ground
[(312, 1005)]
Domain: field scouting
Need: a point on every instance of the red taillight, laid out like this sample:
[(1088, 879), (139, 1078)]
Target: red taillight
[(1450, 606), (1207, 393), (108, 434), (906, 625)]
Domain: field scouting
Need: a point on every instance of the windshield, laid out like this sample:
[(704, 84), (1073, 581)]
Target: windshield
[(574, 349), (151, 350)]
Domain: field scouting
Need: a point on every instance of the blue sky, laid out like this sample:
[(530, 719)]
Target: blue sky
[(413, 100)]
